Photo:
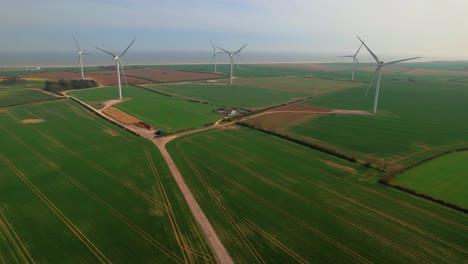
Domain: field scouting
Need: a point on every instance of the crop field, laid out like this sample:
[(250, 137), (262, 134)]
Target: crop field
[(21, 96), (412, 117), (275, 201), (443, 178), (25, 83), (163, 112), (262, 92), (162, 75), (75, 188), (104, 78)]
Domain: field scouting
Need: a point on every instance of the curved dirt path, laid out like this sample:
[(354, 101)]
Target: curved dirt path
[(218, 248)]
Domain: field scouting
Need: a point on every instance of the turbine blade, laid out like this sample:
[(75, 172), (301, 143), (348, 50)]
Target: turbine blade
[(397, 61), (214, 49), (370, 51), (224, 50), (347, 56), (87, 54), (245, 45), (110, 53), (76, 42), (355, 54), (212, 58), (123, 71), (127, 48), (373, 78), (356, 60)]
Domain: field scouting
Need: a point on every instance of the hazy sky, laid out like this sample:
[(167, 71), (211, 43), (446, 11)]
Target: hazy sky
[(404, 27)]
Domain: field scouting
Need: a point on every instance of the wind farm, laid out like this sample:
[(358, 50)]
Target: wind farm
[(299, 154)]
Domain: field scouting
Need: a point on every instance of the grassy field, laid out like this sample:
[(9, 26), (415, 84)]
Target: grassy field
[(163, 112), (412, 117), (75, 188), (443, 178), (254, 92), (274, 201), (22, 96), (23, 84)]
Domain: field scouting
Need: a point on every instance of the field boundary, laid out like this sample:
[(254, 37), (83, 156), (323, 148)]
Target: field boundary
[(317, 147), (387, 180)]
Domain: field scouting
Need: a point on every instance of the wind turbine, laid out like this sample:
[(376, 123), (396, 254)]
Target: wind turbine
[(354, 60), (80, 59), (214, 55), (231, 55), (378, 72), (118, 64)]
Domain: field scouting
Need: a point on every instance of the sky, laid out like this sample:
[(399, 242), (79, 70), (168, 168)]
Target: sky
[(434, 28)]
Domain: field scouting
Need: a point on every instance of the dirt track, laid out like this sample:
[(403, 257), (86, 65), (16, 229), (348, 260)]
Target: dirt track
[(218, 248)]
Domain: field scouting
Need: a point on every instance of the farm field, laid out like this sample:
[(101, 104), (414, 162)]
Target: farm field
[(443, 178), (413, 117), (162, 75), (262, 92), (103, 78), (76, 188), (24, 83), (276, 201), (21, 96), (163, 112)]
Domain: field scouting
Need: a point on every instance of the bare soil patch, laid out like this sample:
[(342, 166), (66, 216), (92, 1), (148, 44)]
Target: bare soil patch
[(339, 166), (278, 120), (230, 126), (162, 75), (120, 116), (32, 121), (112, 132), (436, 72)]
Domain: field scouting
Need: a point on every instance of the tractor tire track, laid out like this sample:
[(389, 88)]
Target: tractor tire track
[(25, 255), (223, 209), (116, 213), (75, 230)]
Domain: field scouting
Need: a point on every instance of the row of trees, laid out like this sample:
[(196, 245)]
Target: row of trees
[(63, 85)]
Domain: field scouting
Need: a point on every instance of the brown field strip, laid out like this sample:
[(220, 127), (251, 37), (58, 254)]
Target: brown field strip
[(223, 209), (116, 213), (15, 240), (120, 116), (75, 230)]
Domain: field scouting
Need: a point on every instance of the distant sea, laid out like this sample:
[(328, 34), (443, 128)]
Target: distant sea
[(70, 59)]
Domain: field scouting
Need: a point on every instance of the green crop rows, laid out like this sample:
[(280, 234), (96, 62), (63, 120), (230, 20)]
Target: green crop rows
[(75, 188), (167, 113), (276, 201)]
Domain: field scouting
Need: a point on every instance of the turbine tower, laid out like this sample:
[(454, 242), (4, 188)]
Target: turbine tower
[(214, 55), (80, 59), (231, 56), (119, 65), (354, 60), (378, 72)]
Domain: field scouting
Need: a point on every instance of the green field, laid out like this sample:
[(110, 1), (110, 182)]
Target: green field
[(77, 189), (163, 112), (21, 96), (254, 92), (23, 84), (412, 117), (275, 201), (443, 178)]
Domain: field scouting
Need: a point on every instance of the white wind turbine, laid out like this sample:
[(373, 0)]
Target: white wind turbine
[(354, 60), (80, 59), (118, 64), (378, 73), (214, 55), (231, 55)]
